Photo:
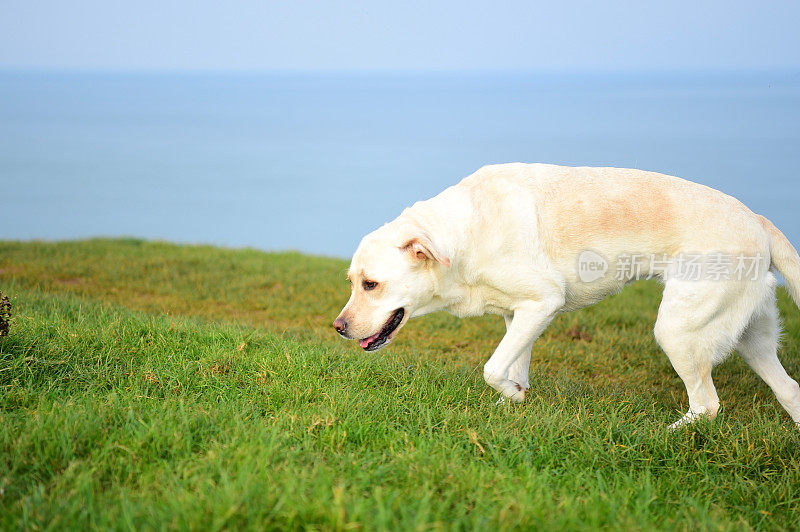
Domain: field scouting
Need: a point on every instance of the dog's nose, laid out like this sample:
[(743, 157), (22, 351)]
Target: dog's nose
[(340, 325)]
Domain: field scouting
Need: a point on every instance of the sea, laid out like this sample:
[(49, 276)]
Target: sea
[(312, 161)]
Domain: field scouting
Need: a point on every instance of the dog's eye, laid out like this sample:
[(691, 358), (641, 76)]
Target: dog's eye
[(369, 285)]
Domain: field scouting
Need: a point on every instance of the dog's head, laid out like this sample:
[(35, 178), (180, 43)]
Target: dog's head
[(393, 274)]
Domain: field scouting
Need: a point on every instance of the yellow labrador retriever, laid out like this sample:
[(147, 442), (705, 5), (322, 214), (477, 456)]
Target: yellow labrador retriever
[(530, 241)]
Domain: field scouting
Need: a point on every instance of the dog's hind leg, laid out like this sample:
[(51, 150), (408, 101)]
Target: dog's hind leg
[(694, 368), (698, 323), (758, 347)]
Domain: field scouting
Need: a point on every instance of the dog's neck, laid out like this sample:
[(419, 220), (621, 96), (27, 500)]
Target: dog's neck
[(449, 221)]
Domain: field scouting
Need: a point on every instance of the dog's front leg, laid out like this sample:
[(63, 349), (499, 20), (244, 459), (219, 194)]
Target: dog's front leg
[(519, 369), (527, 324)]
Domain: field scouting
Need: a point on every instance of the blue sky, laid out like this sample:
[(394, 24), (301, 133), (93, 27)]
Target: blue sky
[(350, 34)]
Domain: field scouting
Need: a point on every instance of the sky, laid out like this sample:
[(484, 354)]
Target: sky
[(400, 35)]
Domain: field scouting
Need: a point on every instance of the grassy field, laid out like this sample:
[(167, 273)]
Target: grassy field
[(147, 385)]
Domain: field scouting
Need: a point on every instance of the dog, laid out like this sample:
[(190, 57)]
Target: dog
[(530, 241)]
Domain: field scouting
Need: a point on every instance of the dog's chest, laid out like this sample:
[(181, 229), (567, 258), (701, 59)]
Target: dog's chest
[(480, 300)]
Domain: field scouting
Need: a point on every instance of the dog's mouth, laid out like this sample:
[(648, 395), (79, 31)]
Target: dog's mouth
[(376, 341)]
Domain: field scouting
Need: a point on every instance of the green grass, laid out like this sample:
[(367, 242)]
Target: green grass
[(146, 385)]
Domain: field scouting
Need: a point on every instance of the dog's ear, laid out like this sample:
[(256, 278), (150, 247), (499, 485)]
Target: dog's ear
[(421, 248)]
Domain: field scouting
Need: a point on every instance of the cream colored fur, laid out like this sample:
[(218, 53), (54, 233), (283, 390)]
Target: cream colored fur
[(509, 240)]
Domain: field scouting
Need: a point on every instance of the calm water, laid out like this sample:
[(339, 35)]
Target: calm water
[(312, 162)]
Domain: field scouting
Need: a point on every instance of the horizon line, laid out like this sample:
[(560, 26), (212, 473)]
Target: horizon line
[(10, 68)]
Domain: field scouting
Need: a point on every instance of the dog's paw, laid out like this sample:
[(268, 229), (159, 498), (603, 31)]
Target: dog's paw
[(515, 394), (519, 395)]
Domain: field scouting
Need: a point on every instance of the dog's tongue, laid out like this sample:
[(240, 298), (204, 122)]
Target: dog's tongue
[(366, 341)]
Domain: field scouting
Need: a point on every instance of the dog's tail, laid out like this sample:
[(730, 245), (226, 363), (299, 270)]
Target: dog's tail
[(784, 258)]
